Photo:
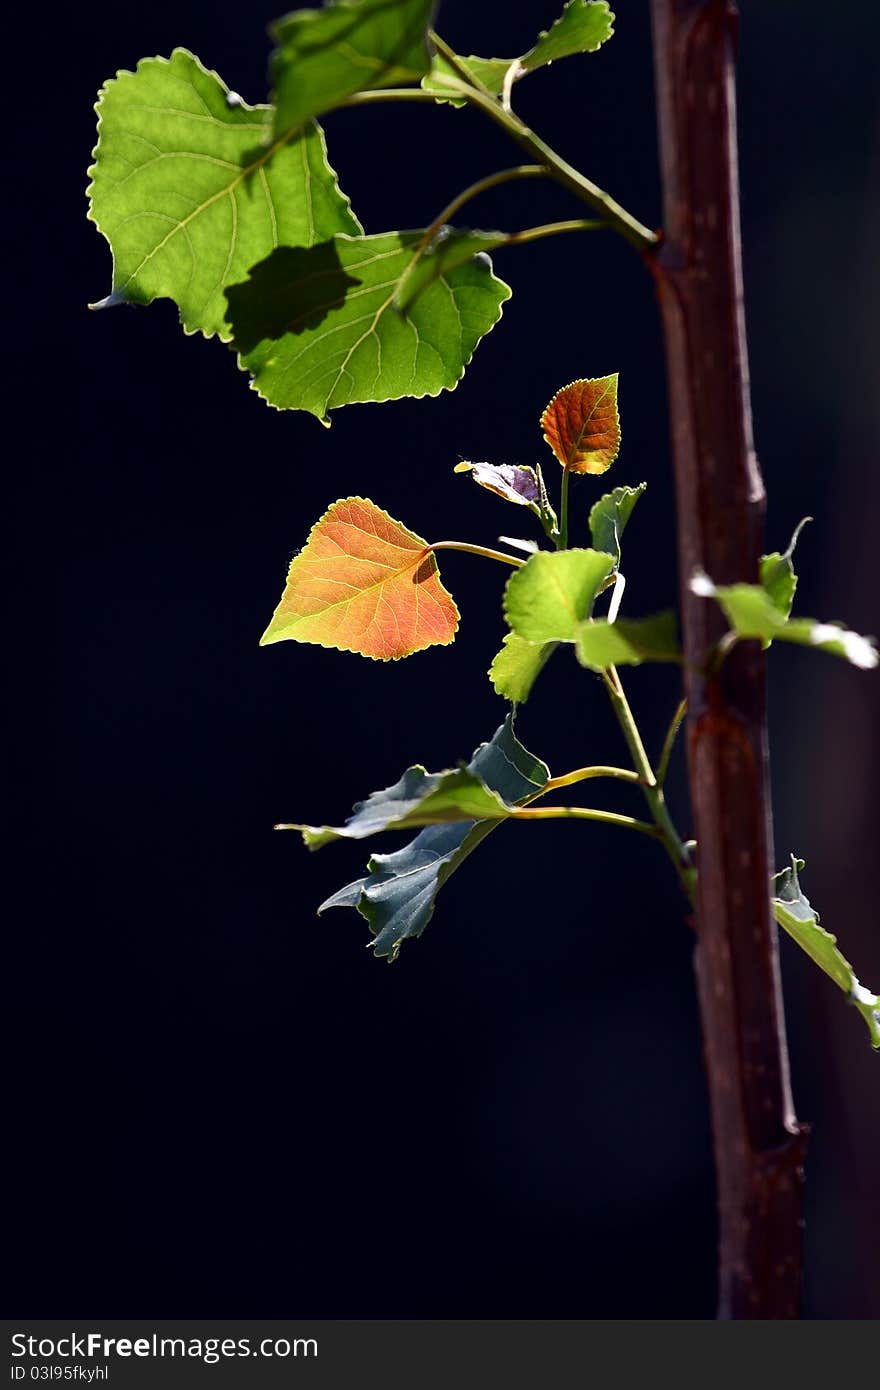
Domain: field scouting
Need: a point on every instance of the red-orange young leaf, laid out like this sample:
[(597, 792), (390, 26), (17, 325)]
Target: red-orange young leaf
[(582, 426), (364, 583)]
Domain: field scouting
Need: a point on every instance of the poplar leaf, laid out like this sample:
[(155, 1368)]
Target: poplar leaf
[(418, 798), (364, 583), (189, 191), (583, 27), (795, 914), (518, 665), (627, 642), (448, 248), (751, 612), (398, 894), (582, 426), (550, 596), (608, 518), (514, 482), (326, 55), (317, 328), (777, 573)]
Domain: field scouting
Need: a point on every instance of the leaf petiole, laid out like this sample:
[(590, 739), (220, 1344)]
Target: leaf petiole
[(583, 774), (562, 538), (669, 742), (586, 813), (478, 550)]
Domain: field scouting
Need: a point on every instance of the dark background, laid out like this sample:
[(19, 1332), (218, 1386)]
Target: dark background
[(218, 1105)]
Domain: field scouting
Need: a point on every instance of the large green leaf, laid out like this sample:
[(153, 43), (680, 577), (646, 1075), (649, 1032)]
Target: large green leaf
[(326, 55), (583, 27), (448, 248), (608, 518), (317, 327), (548, 599), (518, 665), (190, 194), (793, 912), (751, 612), (398, 894), (627, 642)]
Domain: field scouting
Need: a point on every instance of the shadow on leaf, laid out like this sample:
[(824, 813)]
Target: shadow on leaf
[(292, 290)]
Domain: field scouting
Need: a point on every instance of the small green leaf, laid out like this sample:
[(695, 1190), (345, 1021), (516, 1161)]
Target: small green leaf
[(397, 896), (317, 328), (583, 27), (518, 665), (777, 573), (628, 642), (793, 912), (448, 248), (548, 599), (608, 518), (751, 612), (324, 56), (190, 193)]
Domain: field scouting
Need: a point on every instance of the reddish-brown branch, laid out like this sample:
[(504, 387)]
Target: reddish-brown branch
[(720, 504)]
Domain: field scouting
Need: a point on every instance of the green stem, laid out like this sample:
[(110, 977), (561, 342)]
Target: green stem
[(477, 550), (585, 813), (583, 774), (669, 742), (476, 94), (519, 171), (553, 228), (562, 538), (653, 792)]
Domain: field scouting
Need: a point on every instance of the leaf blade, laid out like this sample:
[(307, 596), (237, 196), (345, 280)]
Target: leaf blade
[(796, 915), (327, 55), (517, 666), (609, 516), (364, 583), (550, 596), (628, 642), (189, 195), (317, 329), (582, 424)]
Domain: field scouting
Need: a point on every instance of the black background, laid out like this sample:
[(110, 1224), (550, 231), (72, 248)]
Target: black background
[(219, 1105)]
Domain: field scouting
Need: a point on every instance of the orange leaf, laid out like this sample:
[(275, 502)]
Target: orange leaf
[(582, 426), (364, 583)]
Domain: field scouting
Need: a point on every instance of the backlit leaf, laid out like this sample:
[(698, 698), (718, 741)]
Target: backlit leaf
[(794, 913), (364, 583), (777, 573), (518, 665), (326, 55), (751, 612), (548, 599), (190, 193), (582, 426), (627, 642), (514, 482), (608, 518), (318, 329), (398, 894), (583, 27), (448, 248)]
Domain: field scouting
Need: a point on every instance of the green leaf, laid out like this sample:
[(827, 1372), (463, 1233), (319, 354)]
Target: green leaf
[(628, 642), (518, 665), (418, 798), (583, 27), (777, 573), (794, 913), (317, 328), (189, 193), (398, 894), (548, 599), (751, 612), (326, 55), (608, 518), (448, 248)]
